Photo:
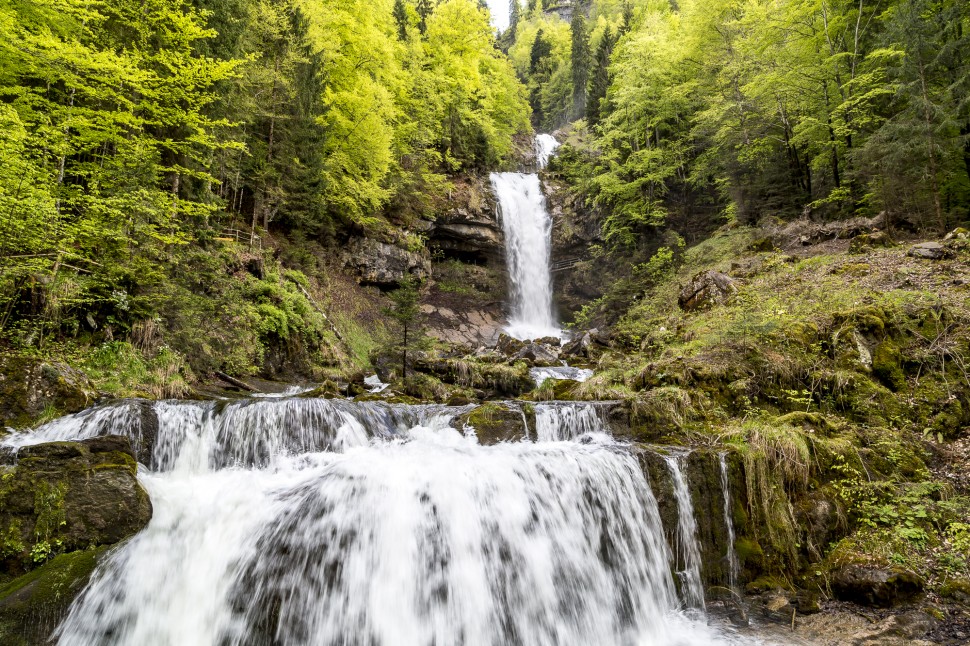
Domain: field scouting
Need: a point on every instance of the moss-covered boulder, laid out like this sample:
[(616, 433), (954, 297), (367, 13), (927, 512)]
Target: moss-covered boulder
[(32, 389), (495, 422), (875, 586), (32, 605), (67, 496)]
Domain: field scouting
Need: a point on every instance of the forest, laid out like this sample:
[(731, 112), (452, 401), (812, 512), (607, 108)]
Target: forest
[(135, 134)]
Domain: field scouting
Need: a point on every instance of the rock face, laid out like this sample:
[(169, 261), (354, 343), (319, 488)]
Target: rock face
[(469, 327), (67, 496), (469, 229), (384, 265), (29, 387), (705, 289), (874, 586)]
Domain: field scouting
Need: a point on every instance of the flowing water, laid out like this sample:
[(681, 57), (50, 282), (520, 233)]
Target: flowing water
[(545, 147), (306, 521), (732, 555), (688, 556), (528, 230)]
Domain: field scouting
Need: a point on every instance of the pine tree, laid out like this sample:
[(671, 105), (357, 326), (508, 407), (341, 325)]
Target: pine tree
[(424, 8), (599, 81), (580, 61), (401, 17)]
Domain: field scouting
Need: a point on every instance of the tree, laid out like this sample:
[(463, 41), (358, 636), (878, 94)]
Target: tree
[(599, 80), (580, 56), (405, 311), (401, 16)]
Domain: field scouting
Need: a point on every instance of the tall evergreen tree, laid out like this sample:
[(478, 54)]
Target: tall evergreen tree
[(599, 81), (401, 17), (580, 55)]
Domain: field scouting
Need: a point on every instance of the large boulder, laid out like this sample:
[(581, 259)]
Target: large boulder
[(30, 388), (384, 265), (880, 587), (67, 496), (705, 289)]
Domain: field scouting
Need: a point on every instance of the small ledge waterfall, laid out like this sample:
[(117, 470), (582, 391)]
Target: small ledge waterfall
[(732, 555), (688, 555), (299, 521), (528, 240)]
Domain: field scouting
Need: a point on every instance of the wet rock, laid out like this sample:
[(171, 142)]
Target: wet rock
[(33, 605), (384, 265), (66, 496), (30, 388), (930, 251), (875, 586), (705, 289)]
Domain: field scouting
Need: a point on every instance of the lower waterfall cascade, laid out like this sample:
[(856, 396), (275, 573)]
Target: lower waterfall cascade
[(688, 552), (307, 521)]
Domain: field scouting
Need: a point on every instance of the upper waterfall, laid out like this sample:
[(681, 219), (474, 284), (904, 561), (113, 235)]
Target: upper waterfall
[(528, 240), (545, 147)]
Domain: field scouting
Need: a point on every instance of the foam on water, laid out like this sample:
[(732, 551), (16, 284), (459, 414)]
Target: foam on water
[(304, 521)]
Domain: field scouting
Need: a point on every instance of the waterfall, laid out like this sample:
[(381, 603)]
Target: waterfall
[(732, 556), (304, 521), (688, 548), (545, 147), (528, 230)]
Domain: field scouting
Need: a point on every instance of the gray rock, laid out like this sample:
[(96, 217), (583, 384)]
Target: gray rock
[(539, 354), (705, 289), (875, 586), (930, 251), (384, 265)]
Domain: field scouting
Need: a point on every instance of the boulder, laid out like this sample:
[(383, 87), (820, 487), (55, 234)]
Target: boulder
[(868, 241), (508, 345), (880, 587), (384, 265), (494, 423), (67, 496), (705, 289), (538, 354), (930, 251), (30, 388), (579, 347)]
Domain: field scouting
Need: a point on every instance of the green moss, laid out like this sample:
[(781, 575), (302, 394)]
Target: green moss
[(32, 605), (887, 361)]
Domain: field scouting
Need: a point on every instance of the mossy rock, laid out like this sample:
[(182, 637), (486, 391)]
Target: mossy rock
[(31, 606), (868, 320), (887, 365), (815, 422), (32, 389), (869, 241), (67, 496), (957, 590), (494, 423)]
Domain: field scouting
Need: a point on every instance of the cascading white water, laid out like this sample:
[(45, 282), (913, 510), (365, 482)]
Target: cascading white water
[(305, 521), (732, 555), (545, 147), (688, 553), (528, 229)]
